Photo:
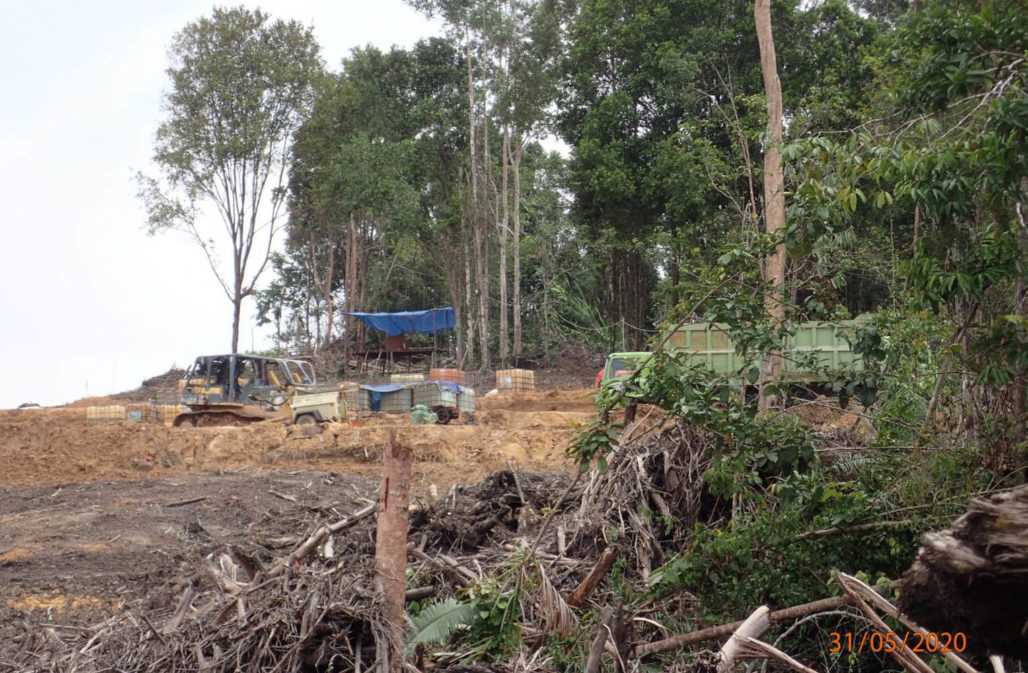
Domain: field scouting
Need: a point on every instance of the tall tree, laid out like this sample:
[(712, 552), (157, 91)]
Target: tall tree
[(774, 185), (372, 181), (240, 85)]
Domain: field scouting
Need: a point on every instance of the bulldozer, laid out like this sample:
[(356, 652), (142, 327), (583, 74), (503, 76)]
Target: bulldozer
[(239, 389)]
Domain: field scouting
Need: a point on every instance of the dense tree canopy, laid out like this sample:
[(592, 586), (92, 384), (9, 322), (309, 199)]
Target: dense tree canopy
[(589, 175), (418, 179)]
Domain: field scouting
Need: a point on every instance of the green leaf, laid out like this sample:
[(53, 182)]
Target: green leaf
[(437, 622)]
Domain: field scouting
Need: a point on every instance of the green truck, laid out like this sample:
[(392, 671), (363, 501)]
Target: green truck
[(710, 344)]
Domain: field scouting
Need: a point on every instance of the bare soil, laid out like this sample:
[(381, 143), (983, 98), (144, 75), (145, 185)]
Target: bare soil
[(60, 446), (93, 514)]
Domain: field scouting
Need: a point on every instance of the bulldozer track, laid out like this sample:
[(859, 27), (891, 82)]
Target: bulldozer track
[(213, 419)]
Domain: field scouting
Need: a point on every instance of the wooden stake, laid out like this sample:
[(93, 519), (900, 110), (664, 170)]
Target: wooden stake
[(391, 543)]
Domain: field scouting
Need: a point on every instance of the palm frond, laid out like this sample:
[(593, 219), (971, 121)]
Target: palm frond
[(437, 622)]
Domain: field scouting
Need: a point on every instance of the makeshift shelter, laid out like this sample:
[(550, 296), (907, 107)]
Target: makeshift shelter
[(397, 325)]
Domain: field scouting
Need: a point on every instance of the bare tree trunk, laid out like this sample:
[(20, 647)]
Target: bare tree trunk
[(1020, 381), (475, 222), (774, 188), (502, 228), (516, 243), (482, 288), (237, 305), (482, 262), (546, 269), (362, 277), (453, 282), (352, 257), (391, 543), (471, 124), (323, 283), (468, 291)]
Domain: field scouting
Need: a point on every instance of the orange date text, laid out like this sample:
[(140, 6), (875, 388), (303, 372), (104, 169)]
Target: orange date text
[(876, 642)]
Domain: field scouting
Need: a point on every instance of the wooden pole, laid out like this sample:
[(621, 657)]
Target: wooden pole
[(391, 543)]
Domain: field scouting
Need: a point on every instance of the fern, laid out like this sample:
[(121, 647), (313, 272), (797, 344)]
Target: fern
[(437, 622)]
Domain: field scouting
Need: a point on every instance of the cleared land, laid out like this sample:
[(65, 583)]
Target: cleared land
[(93, 514)]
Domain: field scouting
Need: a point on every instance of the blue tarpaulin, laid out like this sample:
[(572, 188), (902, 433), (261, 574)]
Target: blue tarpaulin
[(383, 387), (447, 385), (428, 321), (376, 392)]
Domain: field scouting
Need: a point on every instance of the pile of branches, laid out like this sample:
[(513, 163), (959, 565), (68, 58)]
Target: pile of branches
[(312, 609), (315, 605), (491, 513), (651, 492), (229, 621)]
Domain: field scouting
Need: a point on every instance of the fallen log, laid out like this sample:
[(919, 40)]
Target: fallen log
[(752, 627), (190, 501), (758, 649), (595, 660), (725, 630), (446, 563), (972, 578), (901, 652), (878, 601), (419, 593)]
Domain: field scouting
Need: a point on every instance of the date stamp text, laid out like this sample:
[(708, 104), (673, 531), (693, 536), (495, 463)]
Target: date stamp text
[(876, 642)]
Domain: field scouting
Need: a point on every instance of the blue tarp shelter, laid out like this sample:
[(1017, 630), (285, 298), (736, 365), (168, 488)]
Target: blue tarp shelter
[(428, 321)]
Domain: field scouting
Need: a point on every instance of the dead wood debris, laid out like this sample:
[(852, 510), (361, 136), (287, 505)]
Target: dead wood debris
[(313, 606), (973, 577), (651, 482), (307, 601)]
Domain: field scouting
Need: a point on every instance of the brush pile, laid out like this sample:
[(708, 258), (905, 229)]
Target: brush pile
[(501, 571), (650, 494), (244, 607)]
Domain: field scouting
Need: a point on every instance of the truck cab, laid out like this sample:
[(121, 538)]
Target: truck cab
[(622, 365)]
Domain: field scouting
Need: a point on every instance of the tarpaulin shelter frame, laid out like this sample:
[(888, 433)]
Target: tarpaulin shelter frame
[(397, 323)]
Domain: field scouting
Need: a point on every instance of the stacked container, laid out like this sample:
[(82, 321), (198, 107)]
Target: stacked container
[(108, 413), (406, 378), (466, 400), (433, 395), (451, 375), (517, 380), (352, 397)]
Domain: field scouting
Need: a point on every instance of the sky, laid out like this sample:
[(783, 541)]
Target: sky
[(89, 303)]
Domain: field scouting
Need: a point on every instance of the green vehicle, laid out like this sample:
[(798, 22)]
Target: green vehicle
[(621, 365), (710, 344)]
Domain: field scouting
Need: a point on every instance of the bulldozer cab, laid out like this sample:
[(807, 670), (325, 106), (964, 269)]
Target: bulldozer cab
[(244, 379)]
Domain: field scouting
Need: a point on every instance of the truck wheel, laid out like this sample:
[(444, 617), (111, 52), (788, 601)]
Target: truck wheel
[(307, 419)]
